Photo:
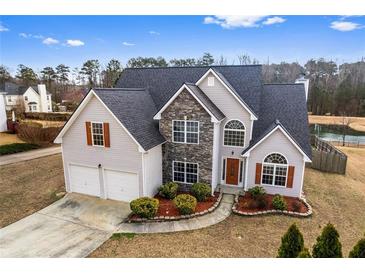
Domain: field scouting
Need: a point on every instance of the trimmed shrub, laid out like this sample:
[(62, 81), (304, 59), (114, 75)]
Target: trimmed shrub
[(296, 206), (359, 250), (50, 116), (258, 203), (185, 203), (328, 244), (257, 192), (291, 243), (278, 202), (37, 135), (201, 191), (304, 253), (169, 190), (145, 207)]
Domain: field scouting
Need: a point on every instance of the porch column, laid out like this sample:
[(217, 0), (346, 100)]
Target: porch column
[(215, 160)]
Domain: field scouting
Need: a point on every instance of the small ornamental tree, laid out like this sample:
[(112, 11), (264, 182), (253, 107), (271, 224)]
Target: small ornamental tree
[(291, 243), (328, 244), (304, 253), (359, 250)]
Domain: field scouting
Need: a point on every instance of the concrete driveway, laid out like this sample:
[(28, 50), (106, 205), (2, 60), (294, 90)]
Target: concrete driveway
[(71, 227)]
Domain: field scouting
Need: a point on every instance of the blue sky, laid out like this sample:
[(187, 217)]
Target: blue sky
[(38, 41)]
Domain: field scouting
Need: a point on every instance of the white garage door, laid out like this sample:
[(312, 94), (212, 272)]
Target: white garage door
[(84, 180), (122, 186)]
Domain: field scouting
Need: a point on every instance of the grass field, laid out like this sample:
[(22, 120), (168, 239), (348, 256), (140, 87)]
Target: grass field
[(29, 186), (7, 138), (335, 198), (357, 123)]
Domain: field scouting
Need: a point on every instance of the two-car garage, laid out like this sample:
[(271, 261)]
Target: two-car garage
[(103, 182)]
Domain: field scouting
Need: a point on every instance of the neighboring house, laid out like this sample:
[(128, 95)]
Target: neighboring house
[(220, 125), (3, 123), (34, 98)]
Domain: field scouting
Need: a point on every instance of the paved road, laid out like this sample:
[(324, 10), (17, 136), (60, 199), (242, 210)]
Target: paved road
[(28, 155), (71, 227)]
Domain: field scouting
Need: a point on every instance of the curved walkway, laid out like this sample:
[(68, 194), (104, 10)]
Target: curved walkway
[(218, 215)]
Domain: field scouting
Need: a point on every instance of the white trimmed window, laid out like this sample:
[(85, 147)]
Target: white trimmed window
[(234, 134), (26, 98), (97, 134), (185, 132), (210, 81), (274, 170), (184, 172)]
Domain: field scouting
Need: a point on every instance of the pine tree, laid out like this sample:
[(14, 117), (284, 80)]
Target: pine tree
[(291, 243), (359, 250), (328, 244), (304, 253)]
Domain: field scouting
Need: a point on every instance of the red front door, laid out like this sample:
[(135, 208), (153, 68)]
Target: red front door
[(232, 171)]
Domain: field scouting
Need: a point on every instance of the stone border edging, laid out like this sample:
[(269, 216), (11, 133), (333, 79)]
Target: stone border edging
[(273, 211), (177, 218)]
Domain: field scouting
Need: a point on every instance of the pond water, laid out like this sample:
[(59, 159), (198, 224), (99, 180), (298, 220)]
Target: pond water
[(335, 133)]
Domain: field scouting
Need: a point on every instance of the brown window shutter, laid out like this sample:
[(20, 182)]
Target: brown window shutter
[(88, 133), (106, 135), (258, 173), (289, 182)]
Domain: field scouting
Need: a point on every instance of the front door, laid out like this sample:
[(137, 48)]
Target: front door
[(232, 171)]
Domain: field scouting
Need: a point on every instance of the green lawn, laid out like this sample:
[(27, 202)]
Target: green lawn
[(16, 147)]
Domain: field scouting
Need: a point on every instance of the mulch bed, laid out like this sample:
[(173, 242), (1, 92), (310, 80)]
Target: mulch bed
[(245, 204), (167, 207)]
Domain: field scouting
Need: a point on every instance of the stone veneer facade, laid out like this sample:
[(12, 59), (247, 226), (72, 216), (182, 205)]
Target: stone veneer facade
[(185, 106)]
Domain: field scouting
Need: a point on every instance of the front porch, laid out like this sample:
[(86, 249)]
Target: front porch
[(226, 189)]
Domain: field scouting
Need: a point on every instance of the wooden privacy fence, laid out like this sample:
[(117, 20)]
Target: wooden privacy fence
[(326, 157)]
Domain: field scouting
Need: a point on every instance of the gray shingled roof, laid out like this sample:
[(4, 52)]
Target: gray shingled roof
[(15, 89), (206, 101), (12, 88), (283, 104), (135, 109), (162, 83)]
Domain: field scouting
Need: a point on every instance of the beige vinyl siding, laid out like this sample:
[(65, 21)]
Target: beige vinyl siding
[(279, 143), (153, 171), (232, 109), (123, 154)]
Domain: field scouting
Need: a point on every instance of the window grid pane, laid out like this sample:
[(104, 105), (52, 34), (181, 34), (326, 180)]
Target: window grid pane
[(186, 132), (267, 174), (234, 138), (97, 132), (185, 172)]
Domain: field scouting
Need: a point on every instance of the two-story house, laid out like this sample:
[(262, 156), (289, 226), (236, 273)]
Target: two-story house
[(33, 98), (220, 125)]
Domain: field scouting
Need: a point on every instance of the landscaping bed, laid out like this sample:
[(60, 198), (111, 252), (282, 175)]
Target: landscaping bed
[(167, 211), (245, 205)]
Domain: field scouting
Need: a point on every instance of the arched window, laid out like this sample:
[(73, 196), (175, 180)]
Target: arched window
[(234, 134), (274, 170)]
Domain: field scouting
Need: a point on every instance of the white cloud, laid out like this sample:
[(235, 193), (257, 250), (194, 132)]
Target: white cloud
[(3, 28), (152, 32), (24, 35), (29, 35), (74, 43), (50, 41), (127, 44), (274, 20), (38, 36), (345, 26), (234, 21)]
